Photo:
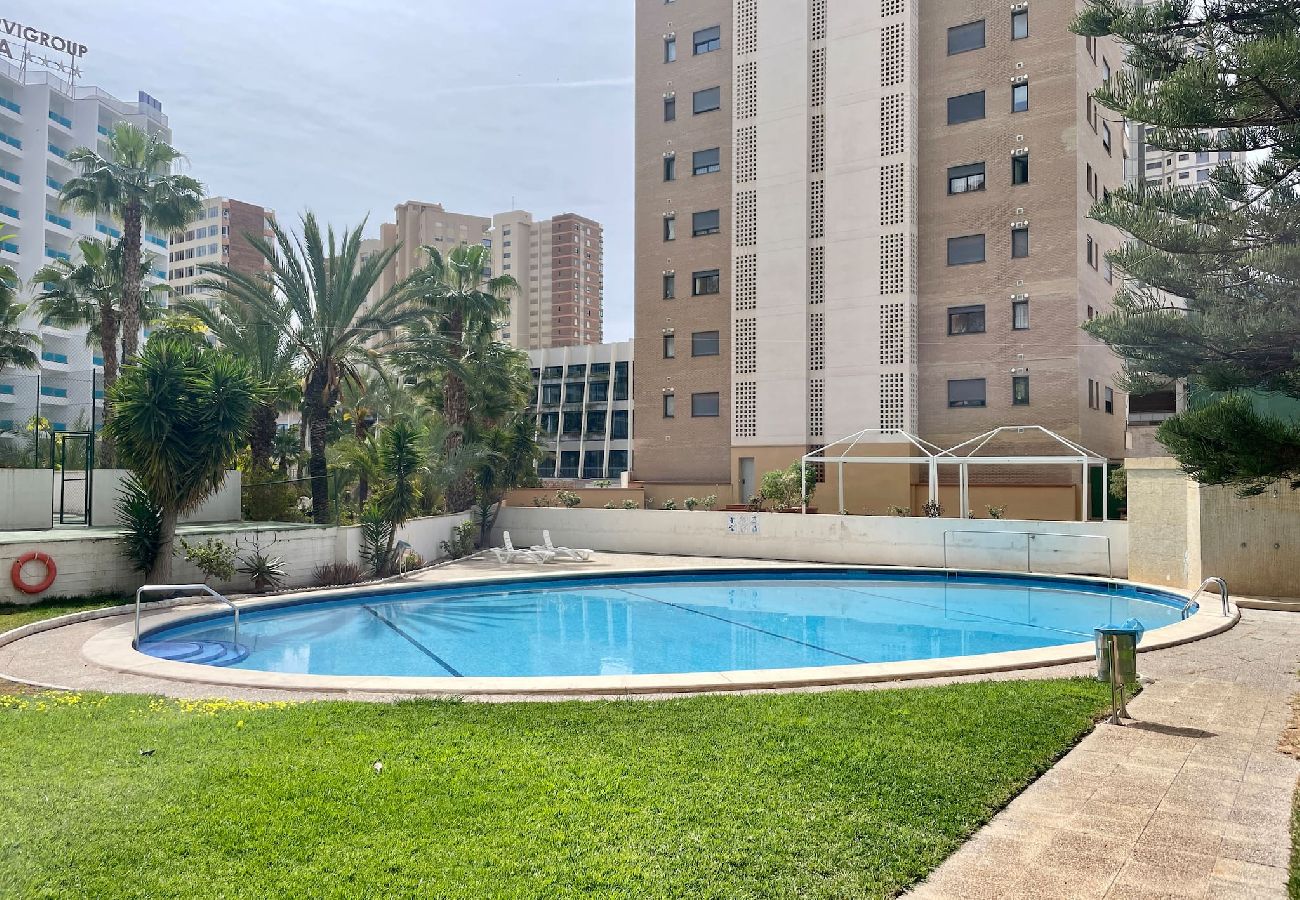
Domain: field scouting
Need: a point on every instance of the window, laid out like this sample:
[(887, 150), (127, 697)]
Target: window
[(670, 228), (704, 406), (670, 346), (966, 392), (670, 167), (705, 161), (965, 108), (573, 423), (966, 250), (1020, 168), (670, 49), (598, 392), (705, 223), (1019, 242), (618, 426), (1202, 174), (550, 393), (1105, 136), (704, 343), (1019, 24), (670, 405), (670, 285), (966, 319), (670, 109), (1110, 402), (574, 391), (706, 100), (1020, 97), (1020, 315), (706, 282), (1105, 70), (707, 40), (962, 179), (1019, 390), (1091, 252), (962, 38)]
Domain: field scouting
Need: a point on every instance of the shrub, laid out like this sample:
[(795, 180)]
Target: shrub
[(997, 512), (631, 504), (933, 509), (604, 483), (568, 499), (784, 486), (709, 502), (337, 573), (268, 498), (410, 561), (214, 558), (900, 510), (141, 519), (462, 540), (267, 572), (669, 504), (541, 501), (375, 530), (611, 505), (691, 503)]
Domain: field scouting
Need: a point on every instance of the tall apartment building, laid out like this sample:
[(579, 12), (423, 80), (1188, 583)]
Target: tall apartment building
[(869, 216), (560, 266), (582, 403), (558, 262), (418, 225), (218, 236), (42, 118)]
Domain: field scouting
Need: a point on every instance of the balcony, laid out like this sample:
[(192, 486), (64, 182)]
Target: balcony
[(62, 120), (55, 361), (102, 130), (7, 394), (8, 212), (10, 110), (54, 396), (61, 221), (57, 254), (53, 184), (10, 144), (109, 230), (8, 248), (10, 177), (157, 241)]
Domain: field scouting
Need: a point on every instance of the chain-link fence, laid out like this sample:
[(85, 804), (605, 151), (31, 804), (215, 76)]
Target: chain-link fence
[(37, 406)]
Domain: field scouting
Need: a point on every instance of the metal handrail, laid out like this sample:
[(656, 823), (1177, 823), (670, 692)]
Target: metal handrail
[(1029, 544), (154, 588), (1223, 593)]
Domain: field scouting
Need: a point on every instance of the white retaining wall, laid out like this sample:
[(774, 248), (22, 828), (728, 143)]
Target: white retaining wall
[(26, 498), (1079, 548), (93, 563), (222, 506)]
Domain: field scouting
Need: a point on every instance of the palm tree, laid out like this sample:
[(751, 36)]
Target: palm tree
[(182, 413), (245, 331), (15, 344), (332, 325), (134, 183), (462, 307), (88, 293)]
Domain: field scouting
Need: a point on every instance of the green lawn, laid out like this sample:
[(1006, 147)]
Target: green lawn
[(838, 794), (13, 615)]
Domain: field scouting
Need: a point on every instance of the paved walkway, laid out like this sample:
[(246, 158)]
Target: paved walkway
[(1190, 800)]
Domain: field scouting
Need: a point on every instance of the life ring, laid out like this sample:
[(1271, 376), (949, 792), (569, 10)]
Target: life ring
[(16, 572)]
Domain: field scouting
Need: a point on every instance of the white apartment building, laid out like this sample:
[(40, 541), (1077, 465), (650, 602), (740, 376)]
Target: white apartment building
[(582, 401), (42, 119)]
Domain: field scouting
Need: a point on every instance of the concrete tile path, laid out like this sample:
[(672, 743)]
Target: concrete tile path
[(1190, 800)]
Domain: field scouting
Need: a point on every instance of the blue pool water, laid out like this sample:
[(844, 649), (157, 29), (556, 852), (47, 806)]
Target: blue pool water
[(698, 622)]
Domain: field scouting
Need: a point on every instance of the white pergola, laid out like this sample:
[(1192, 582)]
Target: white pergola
[(963, 456)]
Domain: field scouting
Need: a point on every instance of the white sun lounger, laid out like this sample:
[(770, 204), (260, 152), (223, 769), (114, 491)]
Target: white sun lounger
[(561, 552), (509, 553)]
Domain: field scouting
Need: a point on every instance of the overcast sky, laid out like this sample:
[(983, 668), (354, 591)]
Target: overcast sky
[(361, 104)]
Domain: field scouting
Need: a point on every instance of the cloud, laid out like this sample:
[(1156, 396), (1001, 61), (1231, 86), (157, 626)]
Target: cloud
[(535, 85)]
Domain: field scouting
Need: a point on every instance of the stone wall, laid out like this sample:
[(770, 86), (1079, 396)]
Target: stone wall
[(1182, 532)]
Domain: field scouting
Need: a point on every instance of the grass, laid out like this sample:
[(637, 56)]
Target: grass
[(836, 794), (14, 615)]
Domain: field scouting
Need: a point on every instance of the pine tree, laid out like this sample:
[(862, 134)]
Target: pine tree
[(1211, 291)]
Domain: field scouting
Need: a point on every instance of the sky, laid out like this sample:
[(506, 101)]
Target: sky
[(360, 105)]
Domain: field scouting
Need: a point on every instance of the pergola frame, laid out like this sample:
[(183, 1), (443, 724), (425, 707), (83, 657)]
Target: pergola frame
[(963, 456)]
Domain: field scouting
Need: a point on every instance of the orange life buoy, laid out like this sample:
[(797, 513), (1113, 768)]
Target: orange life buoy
[(16, 572)]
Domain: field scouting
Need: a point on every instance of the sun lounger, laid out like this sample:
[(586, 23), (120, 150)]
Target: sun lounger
[(561, 552), (510, 554)]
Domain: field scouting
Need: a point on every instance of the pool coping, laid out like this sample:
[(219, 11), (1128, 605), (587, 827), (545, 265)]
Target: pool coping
[(112, 648)]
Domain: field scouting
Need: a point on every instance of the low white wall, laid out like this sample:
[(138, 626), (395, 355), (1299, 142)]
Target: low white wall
[(1058, 547), (26, 498), (222, 506), (95, 564)]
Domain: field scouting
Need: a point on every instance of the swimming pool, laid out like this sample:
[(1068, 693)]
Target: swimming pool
[(641, 624)]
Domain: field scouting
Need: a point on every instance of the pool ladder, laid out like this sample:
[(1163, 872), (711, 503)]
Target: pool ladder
[(159, 588), (1223, 595)]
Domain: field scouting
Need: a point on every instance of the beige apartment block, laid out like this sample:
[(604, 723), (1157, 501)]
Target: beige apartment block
[(684, 288), (417, 225), (908, 188), (560, 266), (218, 236)]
